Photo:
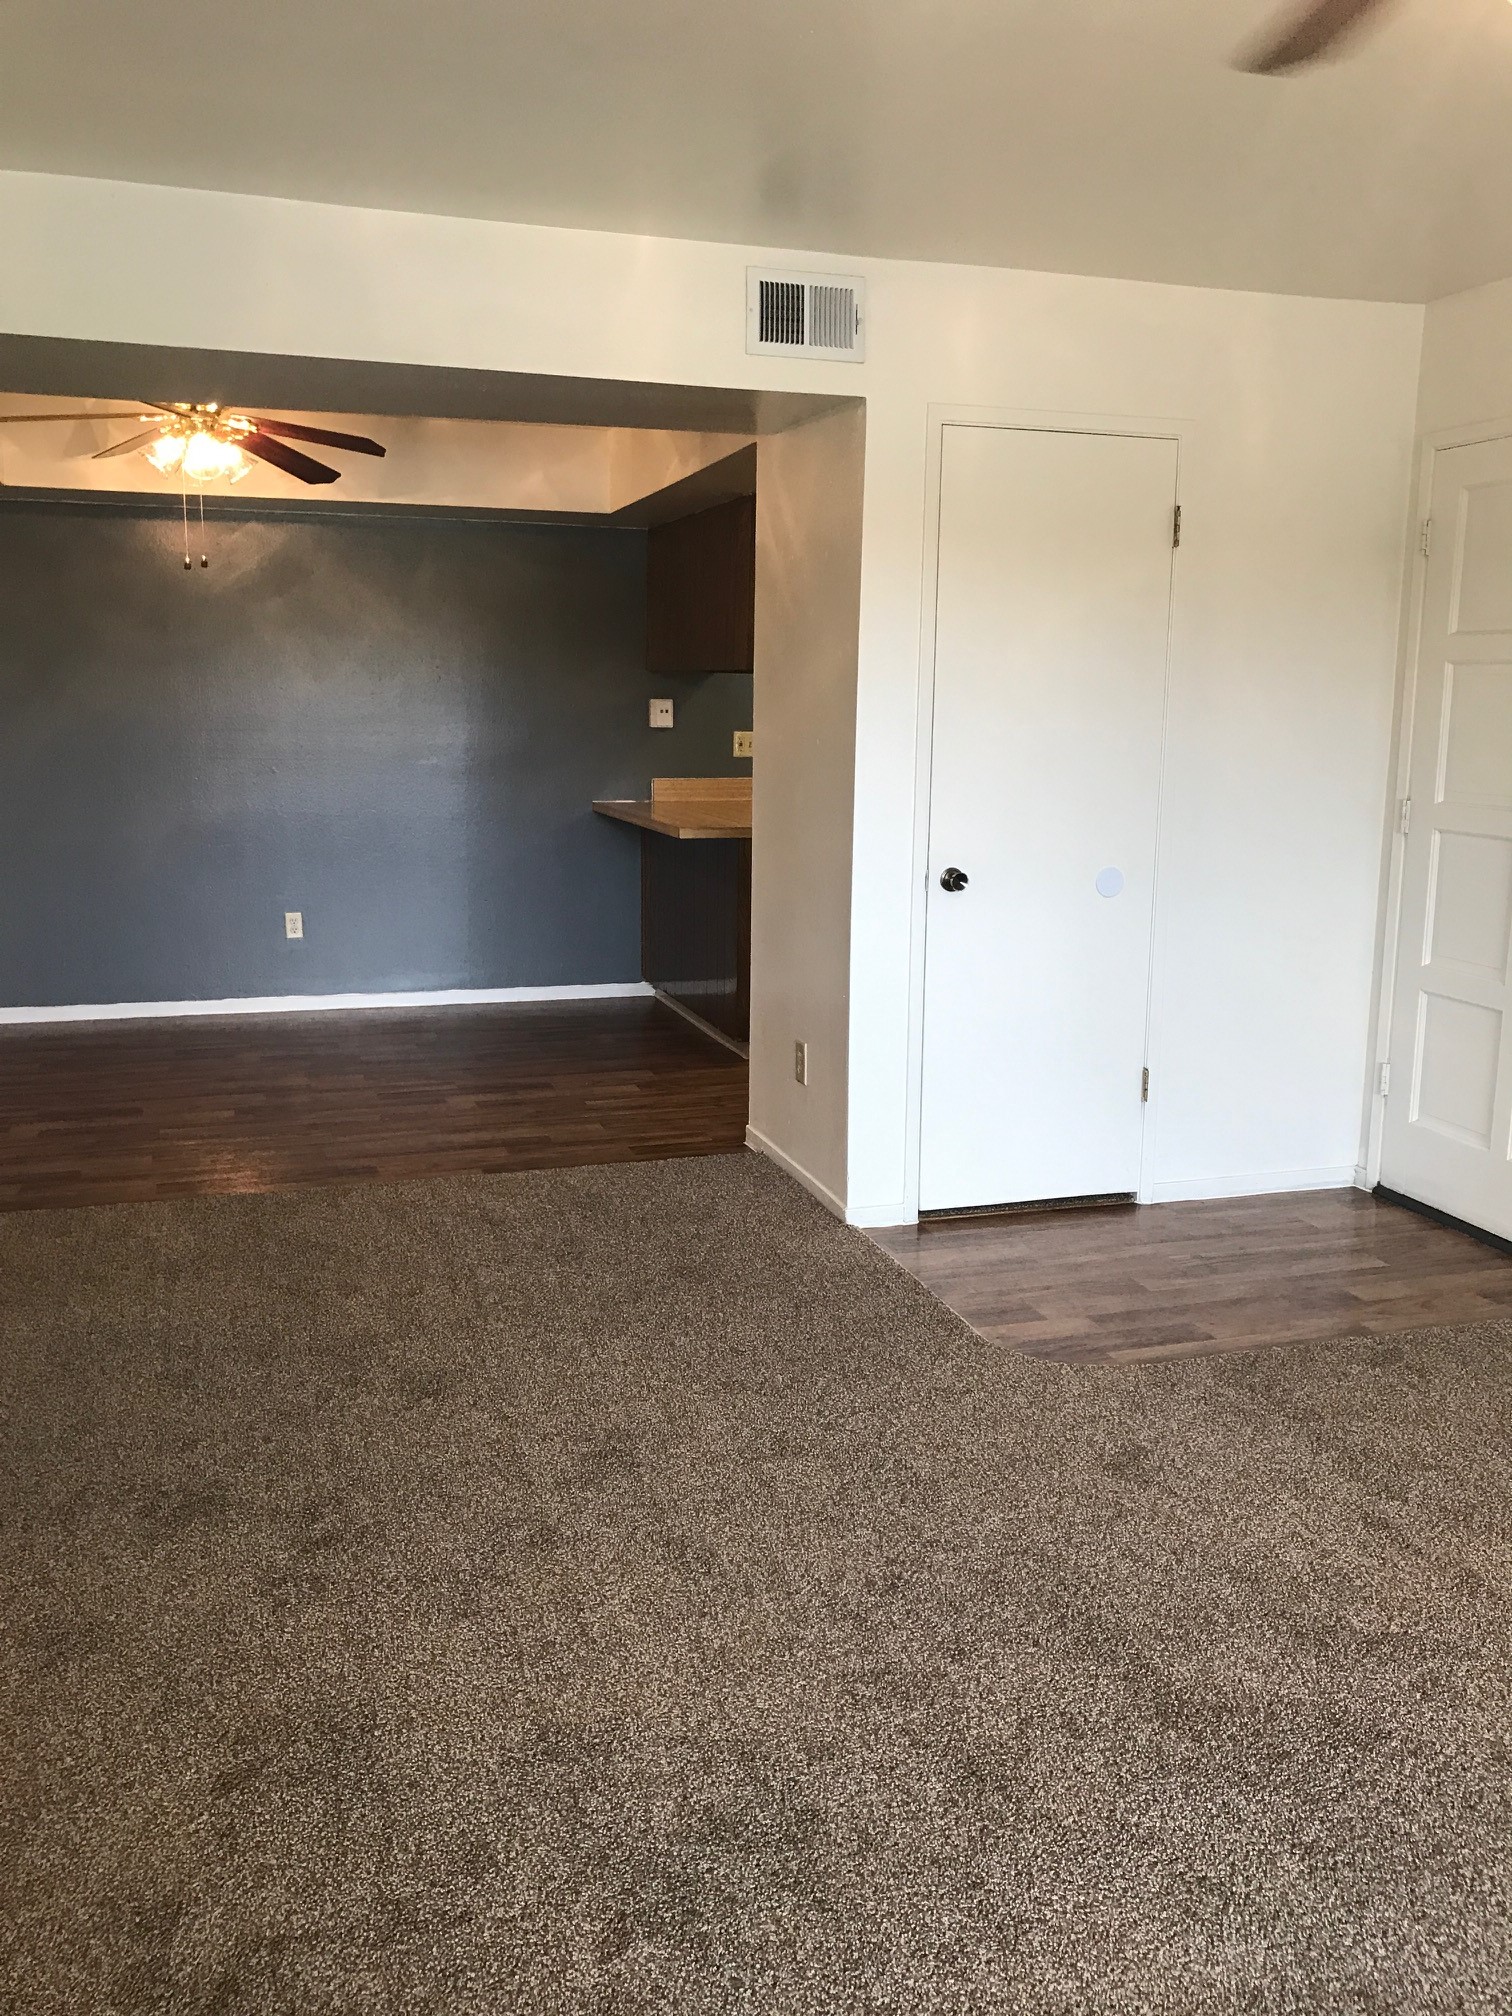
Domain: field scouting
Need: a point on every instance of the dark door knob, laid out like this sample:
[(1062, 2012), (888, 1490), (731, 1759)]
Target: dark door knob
[(955, 880)]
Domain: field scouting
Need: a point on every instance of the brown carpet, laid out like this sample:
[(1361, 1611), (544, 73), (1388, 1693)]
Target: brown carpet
[(624, 1590)]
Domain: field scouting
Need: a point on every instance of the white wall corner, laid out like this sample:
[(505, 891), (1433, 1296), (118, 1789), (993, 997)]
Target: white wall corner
[(756, 1140)]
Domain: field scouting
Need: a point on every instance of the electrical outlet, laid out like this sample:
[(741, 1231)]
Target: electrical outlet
[(800, 1062), (661, 713), (293, 923), (745, 743)]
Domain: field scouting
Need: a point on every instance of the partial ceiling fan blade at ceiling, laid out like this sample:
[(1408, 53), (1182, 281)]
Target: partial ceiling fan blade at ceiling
[(324, 437), (1308, 36), (266, 449), (21, 419), (132, 441)]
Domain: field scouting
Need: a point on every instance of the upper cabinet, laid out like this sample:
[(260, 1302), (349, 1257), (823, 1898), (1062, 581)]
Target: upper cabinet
[(701, 591)]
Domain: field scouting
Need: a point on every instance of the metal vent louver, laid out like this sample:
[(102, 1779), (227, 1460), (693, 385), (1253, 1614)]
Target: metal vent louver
[(805, 314)]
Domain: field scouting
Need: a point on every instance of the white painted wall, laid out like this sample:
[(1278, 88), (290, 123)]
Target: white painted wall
[(1299, 424), (1467, 359), (809, 495), (646, 459)]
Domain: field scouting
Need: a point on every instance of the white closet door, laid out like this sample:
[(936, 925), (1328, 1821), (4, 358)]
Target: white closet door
[(1448, 1131), (1050, 668)]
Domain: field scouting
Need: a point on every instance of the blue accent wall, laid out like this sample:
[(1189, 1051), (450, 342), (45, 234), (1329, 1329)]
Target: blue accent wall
[(395, 724)]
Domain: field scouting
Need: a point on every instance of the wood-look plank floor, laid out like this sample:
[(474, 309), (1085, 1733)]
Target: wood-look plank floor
[(1171, 1280), (118, 1111)]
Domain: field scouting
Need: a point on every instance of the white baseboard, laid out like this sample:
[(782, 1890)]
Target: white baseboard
[(757, 1140), (1362, 1177), (705, 1028), (1264, 1183), (880, 1217), (308, 1004)]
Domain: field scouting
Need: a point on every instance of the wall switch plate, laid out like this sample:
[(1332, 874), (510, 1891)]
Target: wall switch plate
[(293, 923), (745, 742), (661, 713), (800, 1062)]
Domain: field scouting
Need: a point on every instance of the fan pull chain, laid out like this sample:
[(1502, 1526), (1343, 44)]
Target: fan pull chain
[(204, 556)]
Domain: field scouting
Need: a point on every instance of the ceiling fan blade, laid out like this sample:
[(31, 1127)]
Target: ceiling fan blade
[(266, 449), (21, 419), (323, 436), (1309, 35), (132, 441)]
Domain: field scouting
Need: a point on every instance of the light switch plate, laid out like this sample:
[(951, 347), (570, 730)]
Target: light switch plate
[(745, 742), (293, 923), (661, 713)]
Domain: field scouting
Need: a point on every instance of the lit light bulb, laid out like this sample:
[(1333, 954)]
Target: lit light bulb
[(166, 453), (207, 459)]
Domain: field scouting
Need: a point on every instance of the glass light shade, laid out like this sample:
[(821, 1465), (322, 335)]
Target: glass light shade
[(207, 459), (166, 453)]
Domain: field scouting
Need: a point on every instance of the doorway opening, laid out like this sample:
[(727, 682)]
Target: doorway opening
[(321, 846)]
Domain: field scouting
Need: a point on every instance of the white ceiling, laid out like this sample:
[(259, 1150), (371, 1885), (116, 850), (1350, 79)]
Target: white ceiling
[(1090, 136)]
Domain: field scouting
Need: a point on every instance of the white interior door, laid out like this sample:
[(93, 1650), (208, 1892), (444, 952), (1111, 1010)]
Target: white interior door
[(1050, 668), (1448, 1131)]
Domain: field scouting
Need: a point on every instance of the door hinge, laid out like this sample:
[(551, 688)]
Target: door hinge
[(1425, 540), (1144, 1085), (1176, 526), (1404, 816), (1383, 1081)]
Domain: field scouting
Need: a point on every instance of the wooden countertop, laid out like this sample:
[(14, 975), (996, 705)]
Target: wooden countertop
[(687, 808)]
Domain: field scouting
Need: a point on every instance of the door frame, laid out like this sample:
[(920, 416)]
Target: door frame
[(1404, 726), (1032, 421)]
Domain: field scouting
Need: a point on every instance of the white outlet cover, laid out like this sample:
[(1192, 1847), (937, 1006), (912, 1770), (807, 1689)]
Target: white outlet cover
[(293, 923), (661, 713), (745, 742)]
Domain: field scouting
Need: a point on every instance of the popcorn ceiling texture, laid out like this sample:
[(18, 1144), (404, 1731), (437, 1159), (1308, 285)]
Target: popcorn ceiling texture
[(624, 1590)]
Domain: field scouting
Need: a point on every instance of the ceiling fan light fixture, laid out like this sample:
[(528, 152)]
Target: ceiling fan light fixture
[(166, 453), (207, 459)]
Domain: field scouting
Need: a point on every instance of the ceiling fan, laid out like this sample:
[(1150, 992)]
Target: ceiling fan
[(205, 444), (1307, 36)]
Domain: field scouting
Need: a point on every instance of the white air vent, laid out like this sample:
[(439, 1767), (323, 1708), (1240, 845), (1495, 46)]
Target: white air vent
[(805, 315)]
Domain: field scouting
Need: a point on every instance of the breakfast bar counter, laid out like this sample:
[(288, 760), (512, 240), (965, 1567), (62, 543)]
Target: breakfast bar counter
[(696, 898)]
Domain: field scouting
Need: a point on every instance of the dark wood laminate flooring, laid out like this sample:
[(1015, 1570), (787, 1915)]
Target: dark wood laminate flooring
[(106, 1112), (1171, 1280)]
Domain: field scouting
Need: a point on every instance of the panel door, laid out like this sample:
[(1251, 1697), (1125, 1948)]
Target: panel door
[(1448, 1131), (1050, 668)]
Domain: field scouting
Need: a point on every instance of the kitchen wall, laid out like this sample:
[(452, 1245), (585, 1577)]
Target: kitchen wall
[(1297, 421), (808, 593), (394, 724)]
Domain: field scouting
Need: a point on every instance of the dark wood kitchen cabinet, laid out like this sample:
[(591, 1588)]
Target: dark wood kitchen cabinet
[(701, 591)]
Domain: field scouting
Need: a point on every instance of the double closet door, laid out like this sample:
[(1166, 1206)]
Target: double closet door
[(1051, 641)]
